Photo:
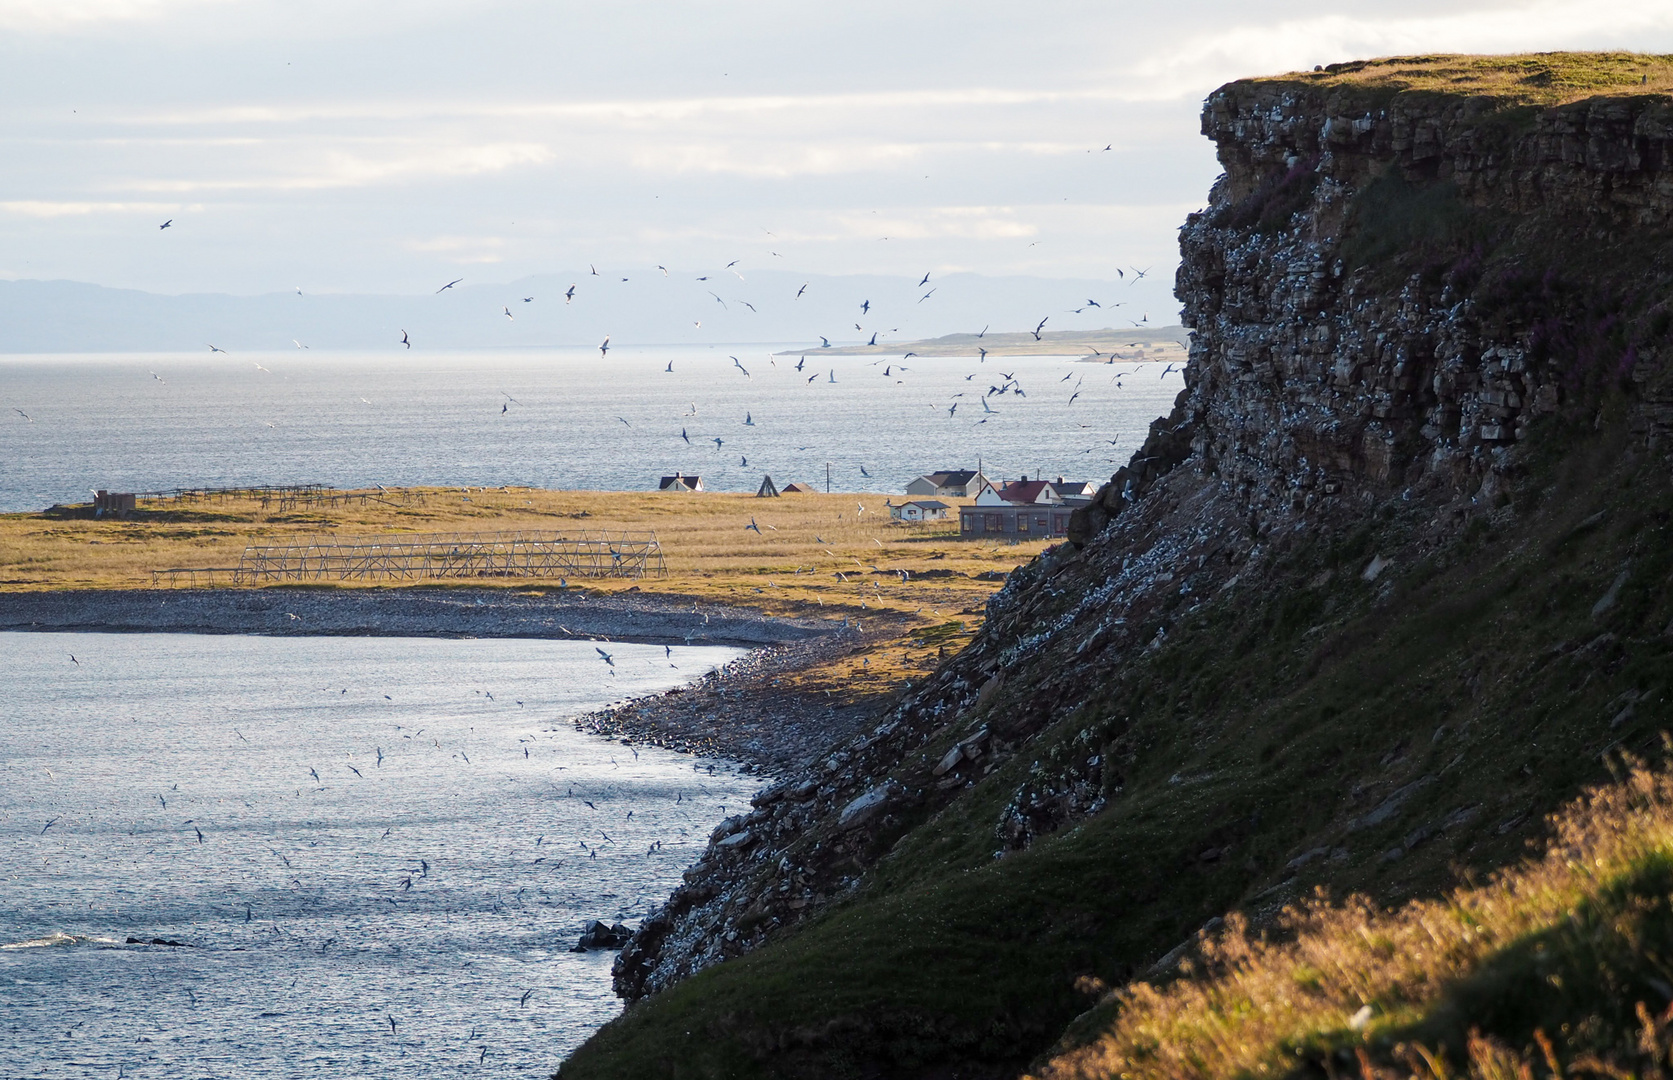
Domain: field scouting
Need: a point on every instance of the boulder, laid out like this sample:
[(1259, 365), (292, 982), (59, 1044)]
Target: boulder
[(598, 934)]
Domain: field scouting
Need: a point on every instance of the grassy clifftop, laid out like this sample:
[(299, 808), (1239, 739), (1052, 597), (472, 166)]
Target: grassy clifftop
[(1553, 78)]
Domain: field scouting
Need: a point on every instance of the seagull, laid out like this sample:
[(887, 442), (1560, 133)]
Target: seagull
[(166, 224), (873, 340), (954, 409), (865, 308), (624, 421), (664, 269), (594, 269), (74, 661), (1037, 329), (1093, 303), (524, 1000), (449, 285), (833, 375), (864, 474), (213, 349), (719, 442), (508, 313), (983, 334), (749, 421), (1073, 396), (824, 342), (801, 290), (608, 659), (686, 437), (752, 526), (747, 304), (25, 415), (740, 367), (926, 296), (924, 282), (984, 353), (570, 295), (406, 340), (604, 349), (670, 367), (528, 299), (1137, 273), (718, 300)]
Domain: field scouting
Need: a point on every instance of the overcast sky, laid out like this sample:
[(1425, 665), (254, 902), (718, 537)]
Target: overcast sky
[(349, 146)]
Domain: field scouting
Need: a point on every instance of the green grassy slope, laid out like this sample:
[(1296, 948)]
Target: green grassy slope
[(1481, 675)]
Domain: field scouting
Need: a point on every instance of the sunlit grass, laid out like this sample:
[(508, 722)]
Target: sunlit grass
[(1563, 961), (834, 555)]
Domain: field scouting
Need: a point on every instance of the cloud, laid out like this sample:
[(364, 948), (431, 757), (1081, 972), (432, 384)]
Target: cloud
[(53, 16), (52, 209), (461, 249), (318, 166)]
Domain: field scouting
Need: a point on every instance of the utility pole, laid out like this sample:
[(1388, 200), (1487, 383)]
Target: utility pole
[(827, 478)]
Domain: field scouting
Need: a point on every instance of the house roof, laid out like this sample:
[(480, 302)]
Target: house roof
[(798, 488), (952, 477), (679, 480), (928, 504), (1026, 491)]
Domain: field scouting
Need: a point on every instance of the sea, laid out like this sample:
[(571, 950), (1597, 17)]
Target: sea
[(366, 856), (559, 418), (249, 856)]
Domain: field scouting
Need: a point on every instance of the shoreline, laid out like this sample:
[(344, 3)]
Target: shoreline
[(415, 612), (741, 712)]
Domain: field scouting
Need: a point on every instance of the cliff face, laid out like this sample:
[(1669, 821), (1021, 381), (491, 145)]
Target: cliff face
[(1386, 537)]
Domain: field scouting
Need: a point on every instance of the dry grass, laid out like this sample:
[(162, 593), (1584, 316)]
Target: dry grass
[(1571, 943), (1528, 78), (791, 567)]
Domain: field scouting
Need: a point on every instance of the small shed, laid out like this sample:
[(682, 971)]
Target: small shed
[(681, 482), (799, 489), (766, 490), (920, 510), (112, 502)]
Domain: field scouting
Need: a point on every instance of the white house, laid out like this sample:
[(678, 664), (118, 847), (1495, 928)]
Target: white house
[(919, 510)]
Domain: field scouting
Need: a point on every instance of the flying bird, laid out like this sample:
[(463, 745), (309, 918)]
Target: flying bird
[(528, 299), (604, 349), (924, 282), (753, 527), (824, 342), (570, 295), (801, 290), (865, 307), (1042, 326), (737, 364), (608, 659), (449, 285), (406, 340), (166, 224), (25, 415), (213, 349), (686, 437)]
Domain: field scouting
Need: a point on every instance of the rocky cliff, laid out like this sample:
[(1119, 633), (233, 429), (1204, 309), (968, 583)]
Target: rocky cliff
[(1370, 600)]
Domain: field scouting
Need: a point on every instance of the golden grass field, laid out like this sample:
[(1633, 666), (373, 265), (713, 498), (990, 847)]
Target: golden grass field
[(1528, 78), (834, 555)]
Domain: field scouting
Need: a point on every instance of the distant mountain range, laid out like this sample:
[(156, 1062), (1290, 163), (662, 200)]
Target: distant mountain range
[(676, 308)]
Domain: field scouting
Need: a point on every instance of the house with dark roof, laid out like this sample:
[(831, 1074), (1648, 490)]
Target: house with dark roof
[(949, 484), (681, 482)]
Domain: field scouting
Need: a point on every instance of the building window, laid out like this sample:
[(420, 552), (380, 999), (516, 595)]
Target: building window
[(993, 523), (1022, 523)]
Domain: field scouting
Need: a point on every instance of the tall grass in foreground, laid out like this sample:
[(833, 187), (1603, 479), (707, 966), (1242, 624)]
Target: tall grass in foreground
[(1560, 966)]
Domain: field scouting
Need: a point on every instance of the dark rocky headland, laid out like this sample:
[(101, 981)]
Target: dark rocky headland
[(1389, 584)]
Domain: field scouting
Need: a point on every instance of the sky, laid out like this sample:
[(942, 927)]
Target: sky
[(351, 146)]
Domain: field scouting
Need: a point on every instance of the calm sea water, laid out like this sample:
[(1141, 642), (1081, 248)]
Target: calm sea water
[(348, 834), (558, 418)]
